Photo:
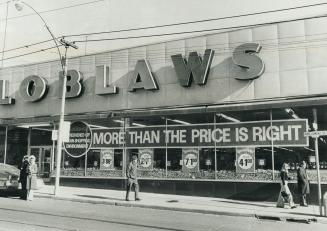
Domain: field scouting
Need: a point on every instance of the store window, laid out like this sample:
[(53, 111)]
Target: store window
[(152, 158), (17, 145), (2, 143), (194, 159), (73, 166), (97, 162), (246, 145)]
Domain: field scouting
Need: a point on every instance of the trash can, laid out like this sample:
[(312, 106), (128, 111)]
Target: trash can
[(324, 201)]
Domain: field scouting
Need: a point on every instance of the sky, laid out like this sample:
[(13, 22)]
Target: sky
[(76, 17)]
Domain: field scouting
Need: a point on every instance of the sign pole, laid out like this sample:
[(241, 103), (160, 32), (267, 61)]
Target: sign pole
[(62, 113), (272, 149), (318, 175), (317, 160), (61, 121)]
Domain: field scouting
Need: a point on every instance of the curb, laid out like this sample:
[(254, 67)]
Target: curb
[(128, 204), (304, 220)]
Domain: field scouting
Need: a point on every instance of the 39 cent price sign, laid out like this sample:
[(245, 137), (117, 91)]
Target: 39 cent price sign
[(107, 159)]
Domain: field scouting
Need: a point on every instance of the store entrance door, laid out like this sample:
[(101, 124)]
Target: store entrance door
[(43, 159)]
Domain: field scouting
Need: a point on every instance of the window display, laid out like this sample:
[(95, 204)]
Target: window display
[(235, 145)]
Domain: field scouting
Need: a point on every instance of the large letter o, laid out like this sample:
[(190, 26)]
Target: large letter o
[(33, 88)]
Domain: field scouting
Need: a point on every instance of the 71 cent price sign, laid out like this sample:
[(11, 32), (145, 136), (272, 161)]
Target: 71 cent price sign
[(245, 160)]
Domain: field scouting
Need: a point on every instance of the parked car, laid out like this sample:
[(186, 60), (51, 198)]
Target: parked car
[(9, 179)]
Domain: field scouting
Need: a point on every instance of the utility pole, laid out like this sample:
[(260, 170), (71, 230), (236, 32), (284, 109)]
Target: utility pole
[(62, 112)]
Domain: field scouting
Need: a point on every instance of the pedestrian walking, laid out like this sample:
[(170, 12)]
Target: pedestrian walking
[(31, 180), (23, 175), (303, 183), (131, 173), (285, 195)]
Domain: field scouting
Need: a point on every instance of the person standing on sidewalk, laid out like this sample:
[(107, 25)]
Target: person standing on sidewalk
[(303, 183), (131, 174), (31, 180), (23, 175), (285, 194)]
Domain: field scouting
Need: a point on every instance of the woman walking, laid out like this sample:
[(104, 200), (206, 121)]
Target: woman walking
[(31, 180), (285, 194)]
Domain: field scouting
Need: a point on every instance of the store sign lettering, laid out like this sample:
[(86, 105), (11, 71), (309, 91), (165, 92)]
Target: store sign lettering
[(34, 88), (194, 67), (259, 134), (252, 65), (80, 139), (4, 99), (142, 77)]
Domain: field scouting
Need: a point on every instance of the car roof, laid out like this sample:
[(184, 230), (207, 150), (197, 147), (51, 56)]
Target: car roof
[(9, 169)]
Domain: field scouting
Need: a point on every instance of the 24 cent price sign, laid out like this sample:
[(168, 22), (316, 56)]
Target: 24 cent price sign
[(245, 160)]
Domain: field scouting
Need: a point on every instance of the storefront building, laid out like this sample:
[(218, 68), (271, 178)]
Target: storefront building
[(213, 115)]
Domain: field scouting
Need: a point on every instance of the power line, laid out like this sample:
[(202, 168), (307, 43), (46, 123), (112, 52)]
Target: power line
[(158, 26), (4, 36), (198, 31), (165, 34), (199, 21), (217, 44), (56, 9), (272, 49)]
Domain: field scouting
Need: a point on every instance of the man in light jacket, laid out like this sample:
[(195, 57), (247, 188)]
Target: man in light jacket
[(131, 173)]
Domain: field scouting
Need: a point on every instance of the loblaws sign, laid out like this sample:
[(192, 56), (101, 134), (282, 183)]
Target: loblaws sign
[(34, 88)]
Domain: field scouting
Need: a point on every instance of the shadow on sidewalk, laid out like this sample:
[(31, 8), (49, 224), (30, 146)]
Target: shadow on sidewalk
[(243, 203), (44, 193), (300, 213), (100, 197)]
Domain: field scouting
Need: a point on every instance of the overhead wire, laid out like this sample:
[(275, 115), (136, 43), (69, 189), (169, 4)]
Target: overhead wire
[(247, 26), (4, 36), (123, 58), (200, 21), (164, 25), (56, 9), (199, 31)]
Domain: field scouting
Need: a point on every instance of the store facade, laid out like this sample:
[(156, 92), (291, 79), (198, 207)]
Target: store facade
[(213, 115)]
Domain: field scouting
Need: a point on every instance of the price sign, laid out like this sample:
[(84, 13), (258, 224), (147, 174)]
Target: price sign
[(245, 160), (146, 159), (107, 159), (316, 134), (190, 159)]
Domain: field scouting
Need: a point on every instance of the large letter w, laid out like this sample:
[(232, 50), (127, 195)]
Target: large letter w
[(194, 67)]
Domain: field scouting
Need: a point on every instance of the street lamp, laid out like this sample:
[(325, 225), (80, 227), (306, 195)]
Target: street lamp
[(63, 61)]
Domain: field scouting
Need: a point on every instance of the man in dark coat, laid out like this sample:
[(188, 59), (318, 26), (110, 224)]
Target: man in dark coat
[(303, 183), (131, 173), (24, 171)]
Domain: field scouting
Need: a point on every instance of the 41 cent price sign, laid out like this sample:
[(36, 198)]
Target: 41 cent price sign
[(245, 160)]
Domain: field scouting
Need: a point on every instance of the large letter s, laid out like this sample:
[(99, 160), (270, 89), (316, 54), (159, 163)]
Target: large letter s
[(252, 65)]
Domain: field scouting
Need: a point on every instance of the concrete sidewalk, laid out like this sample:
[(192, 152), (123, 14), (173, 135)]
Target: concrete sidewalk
[(207, 205)]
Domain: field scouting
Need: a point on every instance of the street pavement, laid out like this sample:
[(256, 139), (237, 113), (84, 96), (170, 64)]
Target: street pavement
[(46, 214), (204, 205)]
